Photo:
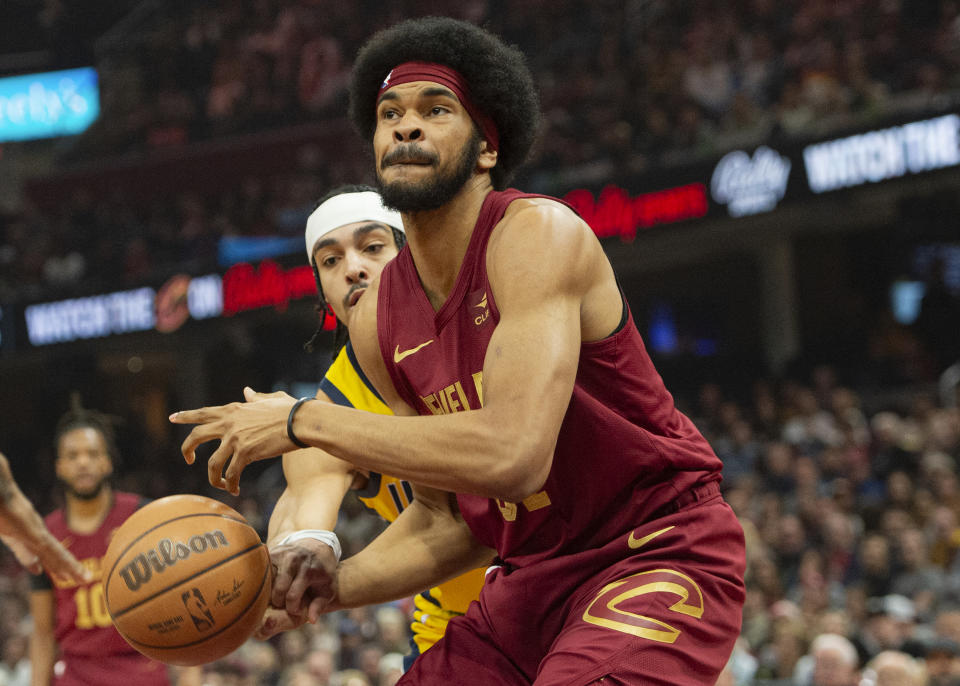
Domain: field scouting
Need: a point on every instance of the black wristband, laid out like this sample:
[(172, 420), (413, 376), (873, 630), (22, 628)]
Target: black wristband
[(293, 410)]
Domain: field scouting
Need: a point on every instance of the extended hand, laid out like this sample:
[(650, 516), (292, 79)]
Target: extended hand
[(249, 431), (305, 584), (24, 532), (276, 621)]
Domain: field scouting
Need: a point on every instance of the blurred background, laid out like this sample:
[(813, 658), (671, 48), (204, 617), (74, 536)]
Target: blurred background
[(777, 184)]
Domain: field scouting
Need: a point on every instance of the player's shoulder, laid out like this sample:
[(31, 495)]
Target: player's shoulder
[(539, 219), (547, 228)]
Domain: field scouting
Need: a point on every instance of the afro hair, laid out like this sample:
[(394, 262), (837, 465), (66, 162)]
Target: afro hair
[(498, 76)]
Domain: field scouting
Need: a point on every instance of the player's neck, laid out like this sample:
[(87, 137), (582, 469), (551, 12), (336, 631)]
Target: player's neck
[(439, 238), (86, 516)]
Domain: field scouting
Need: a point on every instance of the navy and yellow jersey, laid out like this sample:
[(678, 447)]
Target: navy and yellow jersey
[(347, 385)]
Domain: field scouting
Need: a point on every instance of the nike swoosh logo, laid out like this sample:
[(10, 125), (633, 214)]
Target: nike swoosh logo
[(640, 542), (399, 355)]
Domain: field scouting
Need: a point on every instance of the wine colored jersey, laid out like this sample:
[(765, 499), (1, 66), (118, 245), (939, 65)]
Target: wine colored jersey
[(624, 451), (91, 649)]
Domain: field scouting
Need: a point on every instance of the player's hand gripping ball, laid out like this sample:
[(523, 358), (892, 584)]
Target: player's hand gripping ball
[(186, 580)]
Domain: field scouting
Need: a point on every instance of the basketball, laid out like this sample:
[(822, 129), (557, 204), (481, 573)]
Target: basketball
[(186, 580)]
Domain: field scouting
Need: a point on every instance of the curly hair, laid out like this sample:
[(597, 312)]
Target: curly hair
[(79, 417), (340, 334), (500, 81)]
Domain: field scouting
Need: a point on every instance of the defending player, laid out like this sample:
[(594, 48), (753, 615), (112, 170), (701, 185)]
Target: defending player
[(502, 325), (350, 237), (71, 616)]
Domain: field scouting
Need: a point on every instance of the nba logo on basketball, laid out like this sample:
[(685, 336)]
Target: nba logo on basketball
[(197, 607)]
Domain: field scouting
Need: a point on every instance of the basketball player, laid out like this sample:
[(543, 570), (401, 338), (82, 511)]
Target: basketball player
[(24, 532), (617, 560), (350, 237), (74, 642)]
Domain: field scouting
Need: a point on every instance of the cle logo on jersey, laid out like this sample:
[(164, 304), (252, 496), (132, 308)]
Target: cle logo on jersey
[(482, 305)]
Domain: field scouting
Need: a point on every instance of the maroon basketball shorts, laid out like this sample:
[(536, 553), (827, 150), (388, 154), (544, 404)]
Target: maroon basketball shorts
[(661, 605)]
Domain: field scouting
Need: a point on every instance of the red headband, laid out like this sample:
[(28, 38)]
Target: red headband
[(452, 79)]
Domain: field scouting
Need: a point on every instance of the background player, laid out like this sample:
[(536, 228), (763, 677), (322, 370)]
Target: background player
[(24, 532), (350, 237), (74, 642), (620, 561)]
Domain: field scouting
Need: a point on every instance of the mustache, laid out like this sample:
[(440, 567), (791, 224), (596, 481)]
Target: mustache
[(411, 152), (353, 289)]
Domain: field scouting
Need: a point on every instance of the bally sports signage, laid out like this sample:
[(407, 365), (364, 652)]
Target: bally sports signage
[(617, 213), (750, 184), (242, 288)]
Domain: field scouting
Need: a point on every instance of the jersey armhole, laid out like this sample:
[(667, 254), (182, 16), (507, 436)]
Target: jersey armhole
[(372, 487), (624, 312)]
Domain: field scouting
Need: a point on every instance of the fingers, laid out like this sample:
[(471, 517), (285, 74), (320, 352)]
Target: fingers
[(234, 470), (215, 467), (207, 419), (316, 609), (298, 587), (197, 436), (199, 416), (276, 621), (58, 561), (286, 568)]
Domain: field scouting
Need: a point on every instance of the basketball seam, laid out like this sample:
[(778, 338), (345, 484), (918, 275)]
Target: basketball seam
[(106, 586), (236, 619), (140, 602)]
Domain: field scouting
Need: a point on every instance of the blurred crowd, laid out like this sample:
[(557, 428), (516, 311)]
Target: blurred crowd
[(852, 512), (625, 87), (852, 520)]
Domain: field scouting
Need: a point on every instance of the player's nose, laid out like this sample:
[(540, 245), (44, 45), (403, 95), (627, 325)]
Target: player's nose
[(408, 129), (357, 268)]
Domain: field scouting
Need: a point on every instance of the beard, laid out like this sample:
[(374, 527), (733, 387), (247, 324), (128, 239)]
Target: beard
[(431, 193), (88, 494)]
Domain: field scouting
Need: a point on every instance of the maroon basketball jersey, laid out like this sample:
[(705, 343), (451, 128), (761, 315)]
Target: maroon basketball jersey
[(90, 648), (624, 451)]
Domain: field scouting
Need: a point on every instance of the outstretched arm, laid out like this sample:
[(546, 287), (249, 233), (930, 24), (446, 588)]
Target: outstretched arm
[(554, 289), (426, 545), (316, 485), (22, 529)]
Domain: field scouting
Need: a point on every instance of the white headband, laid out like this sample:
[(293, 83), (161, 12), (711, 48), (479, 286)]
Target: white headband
[(348, 208)]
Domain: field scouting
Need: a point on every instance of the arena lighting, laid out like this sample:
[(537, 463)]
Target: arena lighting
[(616, 213), (890, 153), (49, 104)]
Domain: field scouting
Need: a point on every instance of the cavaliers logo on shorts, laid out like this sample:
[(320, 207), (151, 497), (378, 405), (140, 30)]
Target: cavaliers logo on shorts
[(611, 608)]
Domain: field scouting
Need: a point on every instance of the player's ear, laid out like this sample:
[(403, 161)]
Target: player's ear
[(487, 159)]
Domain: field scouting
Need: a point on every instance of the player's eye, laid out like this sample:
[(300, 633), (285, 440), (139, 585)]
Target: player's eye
[(374, 248), (328, 261)]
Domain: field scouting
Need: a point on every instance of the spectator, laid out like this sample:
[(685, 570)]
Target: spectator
[(832, 661), (893, 668)]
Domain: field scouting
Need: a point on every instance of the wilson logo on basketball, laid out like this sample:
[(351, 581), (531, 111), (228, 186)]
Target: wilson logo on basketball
[(167, 553)]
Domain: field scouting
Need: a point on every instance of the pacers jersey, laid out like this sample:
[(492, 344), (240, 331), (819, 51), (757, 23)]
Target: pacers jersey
[(624, 451), (91, 649), (346, 384)]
